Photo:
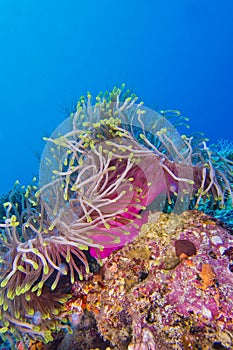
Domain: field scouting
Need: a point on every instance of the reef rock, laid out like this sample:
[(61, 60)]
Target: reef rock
[(171, 288)]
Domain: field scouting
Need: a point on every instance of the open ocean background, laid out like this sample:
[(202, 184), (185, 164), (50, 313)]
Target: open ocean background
[(174, 54)]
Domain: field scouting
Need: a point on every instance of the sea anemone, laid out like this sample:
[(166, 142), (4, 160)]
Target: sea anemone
[(31, 267), (101, 169), (222, 160), (106, 164)]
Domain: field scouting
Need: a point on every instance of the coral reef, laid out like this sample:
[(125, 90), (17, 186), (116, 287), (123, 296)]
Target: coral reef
[(146, 296), (103, 169)]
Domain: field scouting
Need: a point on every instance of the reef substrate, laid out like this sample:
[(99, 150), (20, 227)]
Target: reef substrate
[(171, 288)]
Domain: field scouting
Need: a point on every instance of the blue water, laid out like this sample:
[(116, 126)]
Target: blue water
[(172, 53)]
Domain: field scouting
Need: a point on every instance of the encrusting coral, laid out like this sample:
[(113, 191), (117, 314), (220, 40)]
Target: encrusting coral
[(101, 172), (150, 296)]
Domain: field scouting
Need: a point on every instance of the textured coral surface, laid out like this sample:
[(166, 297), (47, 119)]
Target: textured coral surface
[(151, 295)]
